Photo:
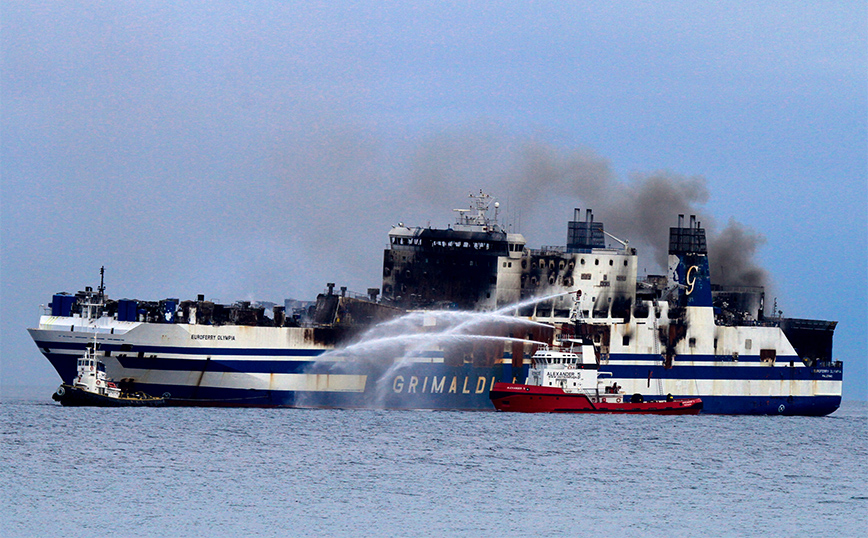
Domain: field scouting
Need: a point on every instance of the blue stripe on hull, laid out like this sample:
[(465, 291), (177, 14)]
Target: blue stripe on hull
[(135, 349), (264, 353), (218, 365), (775, 373), (615, 358)]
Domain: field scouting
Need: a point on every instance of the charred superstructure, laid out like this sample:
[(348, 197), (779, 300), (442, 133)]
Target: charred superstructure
[(476, 265), (456, 267), (480, 301)]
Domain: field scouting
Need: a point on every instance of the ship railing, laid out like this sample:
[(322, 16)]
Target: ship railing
[(590, 393), (548, 249), (554, 250), (349, 293)]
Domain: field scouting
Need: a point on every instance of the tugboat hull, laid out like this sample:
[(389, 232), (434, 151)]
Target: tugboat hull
[(71, 396), (536, 399)]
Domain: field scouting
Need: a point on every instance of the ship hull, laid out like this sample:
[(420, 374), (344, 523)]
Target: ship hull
[(276, 367)]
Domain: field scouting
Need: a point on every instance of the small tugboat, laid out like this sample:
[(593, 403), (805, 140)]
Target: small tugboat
[(570, 382), (91, 387)]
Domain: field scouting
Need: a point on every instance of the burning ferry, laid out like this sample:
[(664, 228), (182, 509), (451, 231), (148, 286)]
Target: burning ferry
[(461, 309)]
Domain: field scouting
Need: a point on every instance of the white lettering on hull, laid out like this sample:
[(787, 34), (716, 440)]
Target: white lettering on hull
[(437, 384)]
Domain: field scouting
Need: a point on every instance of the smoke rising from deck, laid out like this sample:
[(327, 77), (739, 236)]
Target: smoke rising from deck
[(544, 183), (343, 175), (731, 256)]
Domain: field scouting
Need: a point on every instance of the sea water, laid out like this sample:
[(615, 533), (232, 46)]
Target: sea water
[(296, 472)]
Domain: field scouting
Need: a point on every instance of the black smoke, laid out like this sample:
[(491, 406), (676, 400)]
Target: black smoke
[(544, 182)]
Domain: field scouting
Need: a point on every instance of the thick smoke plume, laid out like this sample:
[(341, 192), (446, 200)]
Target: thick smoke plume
[(732, 256), (544, 183), (339, 178)]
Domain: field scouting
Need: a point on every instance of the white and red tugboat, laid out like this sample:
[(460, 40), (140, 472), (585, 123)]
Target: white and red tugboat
[(570, 382)]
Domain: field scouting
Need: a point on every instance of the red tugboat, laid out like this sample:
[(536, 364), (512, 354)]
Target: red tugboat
[(570, 382)]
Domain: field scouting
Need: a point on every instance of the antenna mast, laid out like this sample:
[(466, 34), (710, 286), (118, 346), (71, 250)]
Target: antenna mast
[(101, 288)]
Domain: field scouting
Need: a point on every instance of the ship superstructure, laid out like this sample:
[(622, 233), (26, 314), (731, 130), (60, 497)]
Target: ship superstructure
[(463, 266), (474, 302)]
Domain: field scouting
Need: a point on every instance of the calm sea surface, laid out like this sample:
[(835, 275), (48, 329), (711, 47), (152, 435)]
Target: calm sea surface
[(290, 472)]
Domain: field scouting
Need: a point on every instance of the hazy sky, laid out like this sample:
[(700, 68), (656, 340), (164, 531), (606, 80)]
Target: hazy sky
[(259, 152)]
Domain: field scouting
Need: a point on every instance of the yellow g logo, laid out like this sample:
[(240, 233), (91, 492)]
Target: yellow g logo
[(691, 278)]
